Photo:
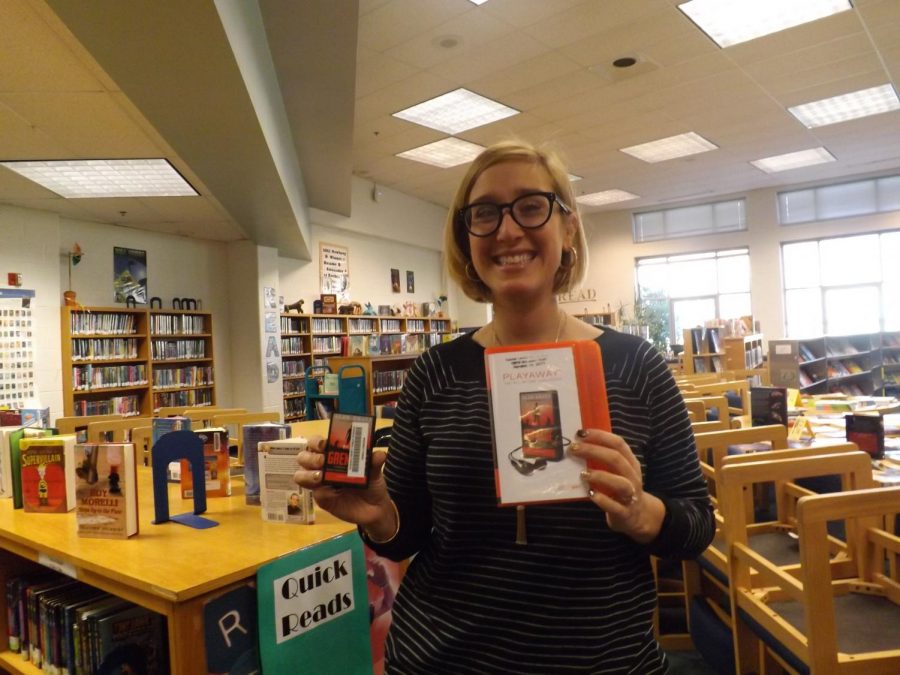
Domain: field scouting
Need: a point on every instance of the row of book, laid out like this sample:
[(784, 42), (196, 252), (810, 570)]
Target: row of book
[(61, 625), (388, 380), (168, 350), (190, 397), (295, 386), (713, 365), (102, 323), (380, 345), (187, 376), (294, 407), (327, 325), (293, 345), (705, 340), (331, 345), (177, 324), (99, 349), (293, 367), (115, 405), (844, 368), (90, 377)]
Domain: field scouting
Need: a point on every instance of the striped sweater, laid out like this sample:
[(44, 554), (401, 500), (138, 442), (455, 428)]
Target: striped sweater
[(578, 597)]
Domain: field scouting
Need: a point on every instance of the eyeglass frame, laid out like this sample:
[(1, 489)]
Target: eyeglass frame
[(552, 197)]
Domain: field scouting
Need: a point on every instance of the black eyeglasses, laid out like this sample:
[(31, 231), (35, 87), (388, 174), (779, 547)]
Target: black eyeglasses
[(530, 211)]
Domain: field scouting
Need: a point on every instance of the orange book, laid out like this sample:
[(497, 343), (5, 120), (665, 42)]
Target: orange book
[(541, 395), (215, 462)]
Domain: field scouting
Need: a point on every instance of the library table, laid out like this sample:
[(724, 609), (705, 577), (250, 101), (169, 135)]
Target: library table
[(172, 569)]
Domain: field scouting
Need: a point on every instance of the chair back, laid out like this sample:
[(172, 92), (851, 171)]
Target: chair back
[(202, 416), (739, 387), (114, 431), (142, 438), (72, 425)]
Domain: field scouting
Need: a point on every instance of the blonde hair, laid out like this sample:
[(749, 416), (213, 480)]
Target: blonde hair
[(456, 238)]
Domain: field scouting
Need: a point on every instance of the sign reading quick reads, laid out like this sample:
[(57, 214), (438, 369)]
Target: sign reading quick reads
[(312, 596)]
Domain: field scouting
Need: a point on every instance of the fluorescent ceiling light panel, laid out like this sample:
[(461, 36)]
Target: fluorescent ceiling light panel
[(96, 178), (444, 153), (729, 22), (456, 111), (672, 147), (573, 178), (478, 2), (793, 160), (847, 106), (605, 197)]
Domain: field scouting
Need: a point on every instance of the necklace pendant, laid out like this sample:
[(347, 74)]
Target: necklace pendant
[(521, 536)]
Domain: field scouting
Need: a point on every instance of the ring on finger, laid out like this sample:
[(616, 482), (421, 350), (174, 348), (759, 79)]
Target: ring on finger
[(628, 500)]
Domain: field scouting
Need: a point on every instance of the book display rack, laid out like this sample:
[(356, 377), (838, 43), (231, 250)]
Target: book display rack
[(134, 361), (703, 351), (319, 339), (890, 359), (850, 364), (744, 352)]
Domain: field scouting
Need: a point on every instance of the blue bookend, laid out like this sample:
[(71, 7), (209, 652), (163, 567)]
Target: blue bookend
[(172, 447)]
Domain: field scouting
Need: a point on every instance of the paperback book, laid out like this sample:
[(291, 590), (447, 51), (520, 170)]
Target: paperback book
[(541, 395), (216, 463), (867, 431), (348, 450), (48, 474), (106, 490), (164, 425), (253, 435), (283, 501)]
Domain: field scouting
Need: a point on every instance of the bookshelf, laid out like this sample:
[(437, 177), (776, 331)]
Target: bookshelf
[(384, 375), (744, 352), (890, 359), (150, 568), (703, 351), (133, 361), (849, 364), (326, 339), (598, 319)]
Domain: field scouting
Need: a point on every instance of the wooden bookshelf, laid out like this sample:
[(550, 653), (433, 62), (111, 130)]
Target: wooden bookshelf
[(332, 339), (384, 375), (704, 351), (132, 361), (851, 364), (170, 569), (744, 352), (890, 361)]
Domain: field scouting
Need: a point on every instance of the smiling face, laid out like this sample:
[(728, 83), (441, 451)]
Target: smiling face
[(516, 264)]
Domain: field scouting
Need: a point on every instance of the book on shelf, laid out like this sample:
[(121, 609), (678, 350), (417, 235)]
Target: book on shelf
[(253, 435), (57, 649), (48, 474), (106, 490), (540, 396), (216, 465), (374, 345), (715, 342), (129, 640), (6, 480), (716, 364), (330, 384), (33, 638), (806, 353), (14, 439), (283, 501), (323, 409), (358, 345)]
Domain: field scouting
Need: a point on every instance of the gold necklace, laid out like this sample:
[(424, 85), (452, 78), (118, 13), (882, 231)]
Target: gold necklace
[(563, 319)]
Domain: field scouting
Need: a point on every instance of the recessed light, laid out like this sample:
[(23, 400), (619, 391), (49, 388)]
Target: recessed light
[(456, 111), (672, 147), (793, 160), (444, 153), (847, 106), (605, 197), (104, 178), (729, 22), (573, 178), (478, 2)]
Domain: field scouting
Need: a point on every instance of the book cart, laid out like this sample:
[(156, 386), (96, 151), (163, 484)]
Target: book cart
[(170, 569)]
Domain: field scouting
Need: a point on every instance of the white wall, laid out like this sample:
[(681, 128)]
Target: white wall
[(613, 253)]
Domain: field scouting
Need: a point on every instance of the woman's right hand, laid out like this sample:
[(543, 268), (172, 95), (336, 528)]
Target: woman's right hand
[(370, 507)]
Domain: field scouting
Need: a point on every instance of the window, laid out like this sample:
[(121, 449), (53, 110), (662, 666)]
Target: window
[(696, 287), (876, 195), (842, 285), (689, 221)]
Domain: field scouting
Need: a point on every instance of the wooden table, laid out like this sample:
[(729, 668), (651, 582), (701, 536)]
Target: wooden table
[(172, 569)]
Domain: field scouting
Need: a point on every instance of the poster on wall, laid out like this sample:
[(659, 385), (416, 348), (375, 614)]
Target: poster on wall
[(410, 281), (395, 280), (17, 332), (130, 274), (334, 270)]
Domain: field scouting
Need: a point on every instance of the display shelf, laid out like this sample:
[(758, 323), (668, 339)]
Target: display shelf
[(384, 375), (703, 351), (744, 352), (170, 569)]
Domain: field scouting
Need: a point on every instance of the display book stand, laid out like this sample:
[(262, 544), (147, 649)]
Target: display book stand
[(131, 361), (708, 350), (170, 569)]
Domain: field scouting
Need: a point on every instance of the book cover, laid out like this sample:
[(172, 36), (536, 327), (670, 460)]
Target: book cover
[(131, 640), (768, 405), (6, 480), (48, 474), (106, 490), (230, 630), (359, 345), (330, 384), (348, 450), (540, 396), (39, 418), (15, 455), (867, 431), (216, 465), (374, 346), (162, 426), (283, 501), (253, 435)]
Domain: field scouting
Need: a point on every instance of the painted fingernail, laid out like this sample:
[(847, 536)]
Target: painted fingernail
[(581, 433), (585, 474), (590, 493), (317, 476), (575, 446)]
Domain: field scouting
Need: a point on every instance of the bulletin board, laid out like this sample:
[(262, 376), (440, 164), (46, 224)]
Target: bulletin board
[(17, 367)]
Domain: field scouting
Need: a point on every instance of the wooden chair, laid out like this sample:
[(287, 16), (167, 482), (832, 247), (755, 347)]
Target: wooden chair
[(707, 426), (717, 403), (72, 425), (751, 375), (142, 438), (238, 420), (202, 416), (114, 431), (696, 409), (739, 387), (823, 621)]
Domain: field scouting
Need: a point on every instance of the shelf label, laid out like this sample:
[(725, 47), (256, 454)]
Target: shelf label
[(58, 565), (783, 349)]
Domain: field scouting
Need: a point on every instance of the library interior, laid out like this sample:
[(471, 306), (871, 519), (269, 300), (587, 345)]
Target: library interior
[(223, 236)]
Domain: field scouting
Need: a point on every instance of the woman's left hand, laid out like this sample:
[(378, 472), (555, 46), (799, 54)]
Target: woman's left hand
[(618, 490)]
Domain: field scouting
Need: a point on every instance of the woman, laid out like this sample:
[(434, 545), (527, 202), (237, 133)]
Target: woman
[(579, 596)]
